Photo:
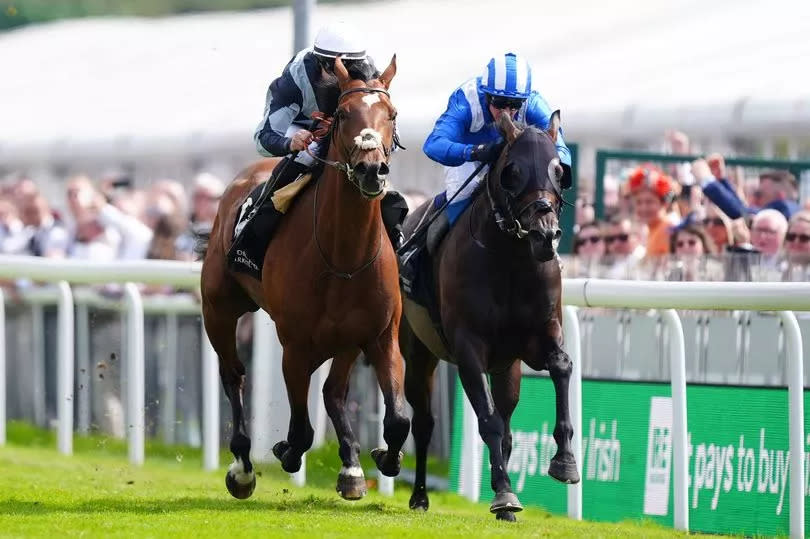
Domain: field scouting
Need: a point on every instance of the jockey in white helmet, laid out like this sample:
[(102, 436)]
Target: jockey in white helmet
[(465, 134), (307, 85)]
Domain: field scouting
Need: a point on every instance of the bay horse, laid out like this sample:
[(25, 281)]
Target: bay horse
[(330, 283), (498, 287)]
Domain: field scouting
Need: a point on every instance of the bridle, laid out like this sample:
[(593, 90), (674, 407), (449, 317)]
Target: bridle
[(506, 218), (345, 166)]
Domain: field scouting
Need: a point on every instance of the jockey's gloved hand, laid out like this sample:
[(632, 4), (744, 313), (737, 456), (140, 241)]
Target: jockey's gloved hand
[(487, 153)]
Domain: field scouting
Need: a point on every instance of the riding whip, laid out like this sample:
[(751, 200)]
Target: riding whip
[(424, 226)]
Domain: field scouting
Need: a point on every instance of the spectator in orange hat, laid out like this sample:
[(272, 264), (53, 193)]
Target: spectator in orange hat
[(652, 193)]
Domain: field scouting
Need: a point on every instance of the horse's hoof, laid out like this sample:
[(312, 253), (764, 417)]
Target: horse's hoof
[(384, 464), (280, 448), (282, 451), (505, 501), (507, 516), (564, 469), (352, 484), (419, 501), (240, 484)]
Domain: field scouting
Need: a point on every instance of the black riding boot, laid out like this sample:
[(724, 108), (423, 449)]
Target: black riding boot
[(394, 209), (253, 232)]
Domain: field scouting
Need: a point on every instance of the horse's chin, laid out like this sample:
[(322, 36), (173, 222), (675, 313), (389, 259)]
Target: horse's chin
[(541, 253)]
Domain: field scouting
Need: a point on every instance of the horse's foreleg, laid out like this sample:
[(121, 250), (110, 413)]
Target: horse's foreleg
[(221, 329), (297, 367), (351, 483), (384, 354), (419, 374), (563, 467), (505, 394), (471, 354)]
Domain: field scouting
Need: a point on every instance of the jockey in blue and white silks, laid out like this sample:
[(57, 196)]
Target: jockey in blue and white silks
[(465, 134)]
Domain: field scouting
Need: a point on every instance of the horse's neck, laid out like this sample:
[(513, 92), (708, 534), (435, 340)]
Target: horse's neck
[(349, 227)]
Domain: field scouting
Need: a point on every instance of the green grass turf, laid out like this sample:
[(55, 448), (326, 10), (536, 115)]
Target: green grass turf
[(96, 493)]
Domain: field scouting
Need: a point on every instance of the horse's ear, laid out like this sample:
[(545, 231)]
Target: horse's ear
[(341, 72), (508, 128), (554, 125), (389, 72)]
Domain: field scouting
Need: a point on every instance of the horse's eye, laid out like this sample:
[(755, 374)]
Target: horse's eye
[(393, 117)]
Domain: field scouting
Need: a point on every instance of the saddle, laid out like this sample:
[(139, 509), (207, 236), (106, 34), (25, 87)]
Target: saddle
[(258, 220), (417, 277)]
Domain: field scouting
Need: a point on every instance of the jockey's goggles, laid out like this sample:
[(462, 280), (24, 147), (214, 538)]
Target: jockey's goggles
[(500, 102), (328, 64)]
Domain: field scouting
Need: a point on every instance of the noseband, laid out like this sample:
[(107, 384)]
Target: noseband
[(345, 166)]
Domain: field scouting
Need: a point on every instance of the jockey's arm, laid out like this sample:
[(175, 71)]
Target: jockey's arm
[(442, 144), (282, 107)]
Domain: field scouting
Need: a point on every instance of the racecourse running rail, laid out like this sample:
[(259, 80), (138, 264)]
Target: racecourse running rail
[(781, 297)]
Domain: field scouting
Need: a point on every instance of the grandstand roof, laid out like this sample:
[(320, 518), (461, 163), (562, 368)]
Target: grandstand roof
[(695, 64)]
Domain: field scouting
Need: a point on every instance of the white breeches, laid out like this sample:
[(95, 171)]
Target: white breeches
[(454, 177)]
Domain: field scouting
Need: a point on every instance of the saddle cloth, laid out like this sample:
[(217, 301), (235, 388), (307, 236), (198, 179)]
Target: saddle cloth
[(257, 222)]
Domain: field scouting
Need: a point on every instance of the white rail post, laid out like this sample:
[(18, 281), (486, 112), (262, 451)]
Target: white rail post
[(2, 368), (83, 368), (135, 373), (573, 341), (677, 367), (210, 396), (469, 480), (385, 484), (38, 364), (793, 342), (261, 436), (65, 369), (168, 402)]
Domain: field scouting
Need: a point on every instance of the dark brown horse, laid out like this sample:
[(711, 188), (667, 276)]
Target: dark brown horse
[(498, 287), (329, 282)]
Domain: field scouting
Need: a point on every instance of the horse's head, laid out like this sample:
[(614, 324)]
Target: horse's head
[(524, 185), (363, 130)]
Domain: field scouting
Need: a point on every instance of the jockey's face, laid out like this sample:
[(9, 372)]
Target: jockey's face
[(498, 105)]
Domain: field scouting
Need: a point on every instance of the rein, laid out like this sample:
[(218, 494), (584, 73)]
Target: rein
[(330, 268)]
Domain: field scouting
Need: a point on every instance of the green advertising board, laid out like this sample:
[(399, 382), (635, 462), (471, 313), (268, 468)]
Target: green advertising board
[(738, 454)]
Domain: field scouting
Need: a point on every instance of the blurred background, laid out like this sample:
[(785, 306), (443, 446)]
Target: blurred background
[(121, 122)]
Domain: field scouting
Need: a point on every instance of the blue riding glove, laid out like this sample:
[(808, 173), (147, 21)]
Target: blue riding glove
[(487, 153)]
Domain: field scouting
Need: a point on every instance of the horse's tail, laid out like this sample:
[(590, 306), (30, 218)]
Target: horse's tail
[(201, 238)]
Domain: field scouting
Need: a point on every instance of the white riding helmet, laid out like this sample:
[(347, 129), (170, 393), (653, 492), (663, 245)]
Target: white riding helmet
[(339, 40)]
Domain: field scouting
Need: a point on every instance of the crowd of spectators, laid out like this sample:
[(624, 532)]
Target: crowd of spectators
[(107, 219), (691, 220), (696, 220)]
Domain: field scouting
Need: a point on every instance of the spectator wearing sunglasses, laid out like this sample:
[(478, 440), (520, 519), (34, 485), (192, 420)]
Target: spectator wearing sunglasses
[(589, 242), (718, 226), (690, 244), (465, 135), (623, 248), (797, 247)]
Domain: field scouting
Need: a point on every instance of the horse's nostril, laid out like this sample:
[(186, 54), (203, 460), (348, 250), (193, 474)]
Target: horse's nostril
[(360, 169), (383, 171), (557, 234)]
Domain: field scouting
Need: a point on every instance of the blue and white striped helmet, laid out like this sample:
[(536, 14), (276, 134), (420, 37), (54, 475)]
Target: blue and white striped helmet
[(508, 75)]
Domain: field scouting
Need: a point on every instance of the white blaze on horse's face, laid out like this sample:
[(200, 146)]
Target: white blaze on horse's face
[(370, 99), (368, 139)]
